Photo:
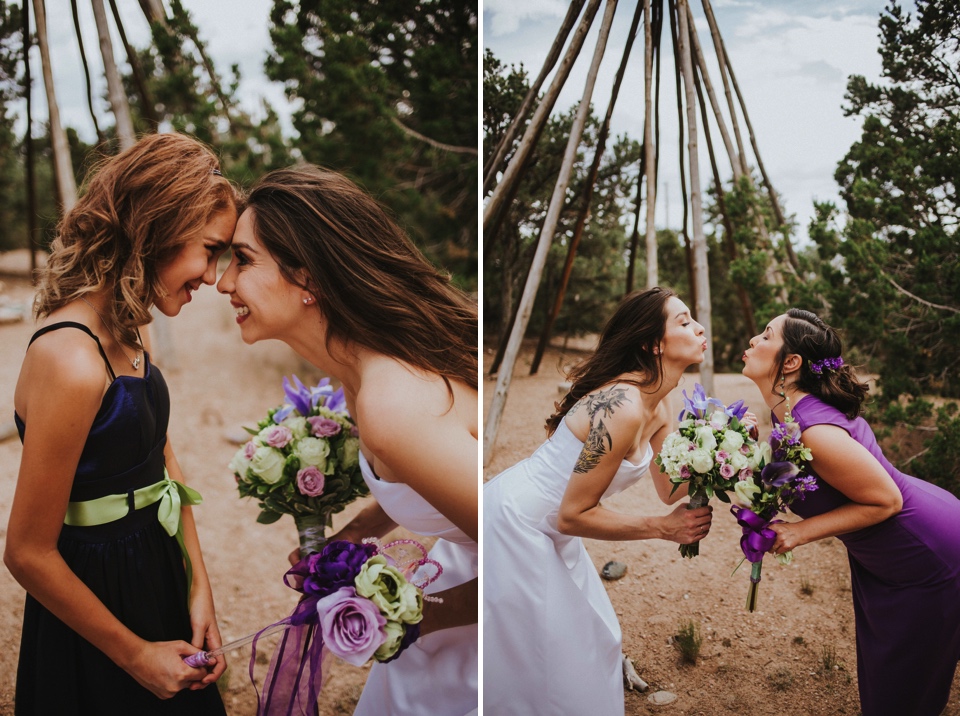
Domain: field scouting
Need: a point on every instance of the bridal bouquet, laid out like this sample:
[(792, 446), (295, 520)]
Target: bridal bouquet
[(303, 460), (711, 449), (781, 482)]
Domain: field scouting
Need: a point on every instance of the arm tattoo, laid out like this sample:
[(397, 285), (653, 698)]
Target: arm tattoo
[(599, 440)]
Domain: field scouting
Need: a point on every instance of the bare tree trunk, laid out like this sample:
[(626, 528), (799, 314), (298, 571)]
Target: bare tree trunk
[(118, 98), (651, 229), (721, 55), (28, 143), (505, 375), (635, 234), (494, 210), (63, 167), (587, 197), (699, 240), (495, 163), (154, 12)]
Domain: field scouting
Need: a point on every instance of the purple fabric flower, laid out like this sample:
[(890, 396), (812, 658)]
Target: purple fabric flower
[(352, 626), (410, 635), (335, 566), (818, 366), (323, 427), (310, 481), (278, 436)]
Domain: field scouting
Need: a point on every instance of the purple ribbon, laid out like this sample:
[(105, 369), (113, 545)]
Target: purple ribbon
[(757, 537)]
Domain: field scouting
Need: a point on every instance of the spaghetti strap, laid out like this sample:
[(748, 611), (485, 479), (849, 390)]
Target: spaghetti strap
[(80, 326)]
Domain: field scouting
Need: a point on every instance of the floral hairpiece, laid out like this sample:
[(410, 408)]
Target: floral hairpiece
[(818, 366)]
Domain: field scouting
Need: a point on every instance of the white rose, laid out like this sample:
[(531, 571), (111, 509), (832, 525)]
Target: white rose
[(745, 491), (705, 438), (297, 425), (313, 451), (739, 461), (351, 452), (239, 464), (763, 452), (267, 464), (732, 440), (701, 461), (719, 420)]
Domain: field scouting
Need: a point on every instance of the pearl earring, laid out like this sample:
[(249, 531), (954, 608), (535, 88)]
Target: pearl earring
[(307, 300)]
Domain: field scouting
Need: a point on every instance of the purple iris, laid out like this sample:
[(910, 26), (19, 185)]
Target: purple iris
[(298, 395), (697, 405), (282, 413), (736, 410)]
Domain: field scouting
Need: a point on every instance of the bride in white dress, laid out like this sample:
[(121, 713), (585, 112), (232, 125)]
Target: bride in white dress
[(319, 265), (552, 643)]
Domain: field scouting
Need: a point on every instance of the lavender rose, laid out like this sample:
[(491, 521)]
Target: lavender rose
[(310, 482), (352, 627), (276, 436), (324, 427), (335, 566)]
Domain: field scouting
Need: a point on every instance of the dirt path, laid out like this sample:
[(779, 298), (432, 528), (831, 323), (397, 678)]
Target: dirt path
[(768, 663), (220, 384)]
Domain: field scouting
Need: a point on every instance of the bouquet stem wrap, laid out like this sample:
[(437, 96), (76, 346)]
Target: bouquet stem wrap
[(311, 531), (698, 498), (757, 539)]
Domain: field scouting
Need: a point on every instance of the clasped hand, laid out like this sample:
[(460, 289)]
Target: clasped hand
[(688, 526)]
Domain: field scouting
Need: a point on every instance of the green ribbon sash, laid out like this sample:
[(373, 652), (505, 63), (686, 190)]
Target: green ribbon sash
[(171, 495)]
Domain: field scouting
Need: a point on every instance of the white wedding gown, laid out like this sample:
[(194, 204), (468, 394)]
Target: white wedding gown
[(438, 674), (551, 640)]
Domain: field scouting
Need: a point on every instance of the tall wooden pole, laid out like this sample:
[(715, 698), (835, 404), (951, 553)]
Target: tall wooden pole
[(63, 167), (588, 189), (651, 230), (146, 104), (28, 144), (505, 375), (494, 210), (494, 164), (115, 91), (699, 240), (86, 71)]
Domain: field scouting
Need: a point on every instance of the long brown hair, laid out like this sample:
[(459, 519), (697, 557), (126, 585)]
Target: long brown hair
[(626, 346), (806, 335), (138, 208), (373, 287)]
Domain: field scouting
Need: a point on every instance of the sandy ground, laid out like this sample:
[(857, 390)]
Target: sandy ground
[(217, 384), (768, 663)]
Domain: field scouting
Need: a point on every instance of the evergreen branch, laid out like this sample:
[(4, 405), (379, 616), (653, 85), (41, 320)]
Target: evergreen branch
[(905, 292), (433, 142)]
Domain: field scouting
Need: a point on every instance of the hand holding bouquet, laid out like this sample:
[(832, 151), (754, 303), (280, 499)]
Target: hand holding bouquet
[(303, 460), (711, 449), (781, 482)]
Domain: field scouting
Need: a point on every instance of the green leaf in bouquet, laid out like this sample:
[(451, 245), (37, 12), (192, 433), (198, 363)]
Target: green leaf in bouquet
[(263, 489), (268, 517), (708, 488), (252, 431), (722, 496)]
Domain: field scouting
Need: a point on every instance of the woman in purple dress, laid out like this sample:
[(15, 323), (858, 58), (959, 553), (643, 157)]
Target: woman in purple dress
[(902, 534)]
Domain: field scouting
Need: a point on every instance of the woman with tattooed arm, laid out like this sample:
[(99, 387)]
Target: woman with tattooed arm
[(544, 602)]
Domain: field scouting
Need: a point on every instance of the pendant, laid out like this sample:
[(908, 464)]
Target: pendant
[(136, 363)]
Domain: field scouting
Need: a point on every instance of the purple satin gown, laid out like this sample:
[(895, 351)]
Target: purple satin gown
[(905, 578)]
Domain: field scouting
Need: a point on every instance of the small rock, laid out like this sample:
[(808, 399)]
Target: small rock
[(613, 570), (661, 698)]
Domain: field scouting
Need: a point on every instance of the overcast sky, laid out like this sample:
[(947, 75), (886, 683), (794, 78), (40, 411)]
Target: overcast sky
[(236, 31), (792, 59)]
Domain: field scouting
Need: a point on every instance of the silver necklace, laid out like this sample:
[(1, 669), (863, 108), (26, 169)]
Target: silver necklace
[(135, 361)]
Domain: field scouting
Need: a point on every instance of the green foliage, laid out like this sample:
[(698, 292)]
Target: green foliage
[(12, 229), (688, 641), (388, 95), (939, 462)]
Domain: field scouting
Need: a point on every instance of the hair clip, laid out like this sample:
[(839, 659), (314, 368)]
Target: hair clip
[(217, 172), (818, 366)]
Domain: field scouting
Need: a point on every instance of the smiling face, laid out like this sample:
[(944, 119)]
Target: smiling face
[(195, 263), (761, 360), (683, 338), (266, 303)]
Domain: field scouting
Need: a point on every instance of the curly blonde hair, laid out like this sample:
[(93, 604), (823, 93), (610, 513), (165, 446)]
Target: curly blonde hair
[(137, 210)]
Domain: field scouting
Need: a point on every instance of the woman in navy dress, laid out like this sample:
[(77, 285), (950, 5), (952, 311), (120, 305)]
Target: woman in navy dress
[(902, 534), (101, 534)]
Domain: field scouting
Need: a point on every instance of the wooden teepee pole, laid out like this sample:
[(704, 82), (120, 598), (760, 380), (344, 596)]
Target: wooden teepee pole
[(86, 72), (699, 240), (651, 230), (28, 143), (505, 375), (589, 186), (496, 204), (684, 197), (147, 110), (118, 97), (66, 182), (495, 163)]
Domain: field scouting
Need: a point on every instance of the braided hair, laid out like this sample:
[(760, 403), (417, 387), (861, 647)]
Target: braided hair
[(807, 336)]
